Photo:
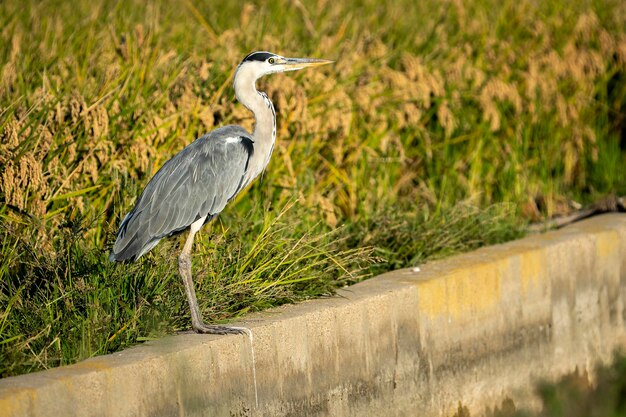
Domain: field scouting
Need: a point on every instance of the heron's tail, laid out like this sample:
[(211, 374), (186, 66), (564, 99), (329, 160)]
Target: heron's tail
[(132, 241), (131, 249)]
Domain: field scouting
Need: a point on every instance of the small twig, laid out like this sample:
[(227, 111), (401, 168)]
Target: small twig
[(610, 204)]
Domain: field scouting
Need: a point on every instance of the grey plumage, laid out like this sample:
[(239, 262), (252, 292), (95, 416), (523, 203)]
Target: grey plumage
[(197, 183)]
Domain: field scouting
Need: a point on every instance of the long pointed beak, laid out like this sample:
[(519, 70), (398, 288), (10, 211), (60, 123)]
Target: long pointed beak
[(292, 64)]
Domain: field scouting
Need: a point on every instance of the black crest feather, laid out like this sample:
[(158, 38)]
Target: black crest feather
[(258, 56)]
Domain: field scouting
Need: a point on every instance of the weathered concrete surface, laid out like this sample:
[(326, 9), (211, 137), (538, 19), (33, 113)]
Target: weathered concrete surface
[(473, 328)]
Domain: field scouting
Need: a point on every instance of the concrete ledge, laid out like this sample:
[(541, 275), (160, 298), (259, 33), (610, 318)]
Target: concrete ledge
[(473, 328)]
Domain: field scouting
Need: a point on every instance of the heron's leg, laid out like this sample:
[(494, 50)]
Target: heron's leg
[(184, 267)]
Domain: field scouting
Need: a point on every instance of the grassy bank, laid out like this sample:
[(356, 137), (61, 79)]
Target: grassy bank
[(443, 126)]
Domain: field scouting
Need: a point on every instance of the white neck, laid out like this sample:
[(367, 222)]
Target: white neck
[(264, 133)]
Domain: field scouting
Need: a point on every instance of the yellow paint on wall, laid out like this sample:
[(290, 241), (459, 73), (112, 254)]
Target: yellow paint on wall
[(468, 292), (533, 270), (16, 405), (607, 245)]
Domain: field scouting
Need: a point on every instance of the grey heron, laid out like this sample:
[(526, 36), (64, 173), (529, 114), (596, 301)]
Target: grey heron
[(195, 185)]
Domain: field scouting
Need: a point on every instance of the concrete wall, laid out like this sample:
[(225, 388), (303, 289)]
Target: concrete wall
[(473, 328)]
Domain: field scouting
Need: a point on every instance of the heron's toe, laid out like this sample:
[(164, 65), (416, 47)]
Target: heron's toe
[(204, 329)]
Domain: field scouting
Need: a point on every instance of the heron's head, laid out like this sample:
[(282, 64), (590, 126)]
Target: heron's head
[(261, 63)]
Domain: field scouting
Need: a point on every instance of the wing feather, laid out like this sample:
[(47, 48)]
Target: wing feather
[(197, 182)]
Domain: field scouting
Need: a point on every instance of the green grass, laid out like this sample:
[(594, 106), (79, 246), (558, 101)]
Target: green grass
[(435, 132)]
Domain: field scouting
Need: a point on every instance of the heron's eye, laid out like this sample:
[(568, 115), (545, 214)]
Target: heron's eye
[(271, 60)]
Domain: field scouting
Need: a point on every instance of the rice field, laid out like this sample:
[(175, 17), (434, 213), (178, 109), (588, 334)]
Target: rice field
[(443, 126)]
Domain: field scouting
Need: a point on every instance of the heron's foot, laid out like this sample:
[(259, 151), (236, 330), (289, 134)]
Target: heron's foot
[(206, 329)]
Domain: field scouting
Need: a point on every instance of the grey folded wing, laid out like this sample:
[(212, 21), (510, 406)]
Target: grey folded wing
[(197, 182)]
